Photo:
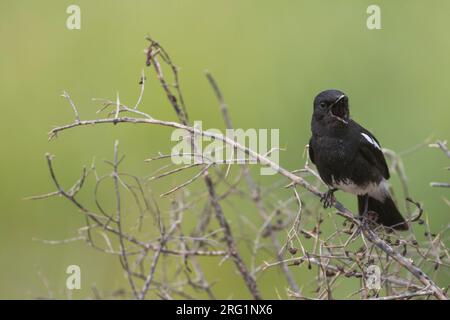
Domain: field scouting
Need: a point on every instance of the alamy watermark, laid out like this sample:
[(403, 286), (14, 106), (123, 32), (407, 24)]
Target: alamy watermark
[(200, 148), (73, 21), (73, 281), (373, 21)]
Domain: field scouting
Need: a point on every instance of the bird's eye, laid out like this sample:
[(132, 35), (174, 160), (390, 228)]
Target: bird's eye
[(323, 104)]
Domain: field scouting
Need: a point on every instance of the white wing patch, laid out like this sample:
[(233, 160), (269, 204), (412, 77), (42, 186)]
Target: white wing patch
[(371, 140)]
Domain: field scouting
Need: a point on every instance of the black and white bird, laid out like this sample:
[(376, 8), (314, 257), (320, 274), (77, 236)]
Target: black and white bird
[(349, 158)]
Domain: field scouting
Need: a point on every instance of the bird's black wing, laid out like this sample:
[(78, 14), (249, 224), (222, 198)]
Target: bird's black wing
[(311, 151), (370, 149)]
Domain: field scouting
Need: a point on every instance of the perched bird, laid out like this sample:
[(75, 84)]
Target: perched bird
[(349, 158)]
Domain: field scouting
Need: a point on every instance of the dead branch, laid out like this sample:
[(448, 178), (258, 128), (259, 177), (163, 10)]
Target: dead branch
[(333, 255)]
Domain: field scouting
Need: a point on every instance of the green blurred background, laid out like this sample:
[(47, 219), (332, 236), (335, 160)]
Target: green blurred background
[(270, 58)]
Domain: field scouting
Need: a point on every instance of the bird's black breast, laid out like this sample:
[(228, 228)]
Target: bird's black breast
[(338, 159)]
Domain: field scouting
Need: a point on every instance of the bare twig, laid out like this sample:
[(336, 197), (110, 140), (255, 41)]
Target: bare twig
[(72, 105), (248, 278), (124, 257), (254, 189)]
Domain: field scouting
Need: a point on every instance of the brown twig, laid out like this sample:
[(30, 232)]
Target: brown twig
[(232, 249), (254, 189)]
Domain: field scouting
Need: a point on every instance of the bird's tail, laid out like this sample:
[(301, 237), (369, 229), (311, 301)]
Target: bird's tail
[(388, 214)]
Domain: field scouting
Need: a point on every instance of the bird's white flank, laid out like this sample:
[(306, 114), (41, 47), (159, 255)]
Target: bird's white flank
[(378, 190)]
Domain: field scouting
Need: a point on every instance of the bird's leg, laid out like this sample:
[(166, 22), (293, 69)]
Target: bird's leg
[(328, 198), (366, 214), (366, 204)]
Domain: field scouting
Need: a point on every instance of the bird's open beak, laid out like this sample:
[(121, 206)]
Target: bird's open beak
[(342, 96), (339, 111)]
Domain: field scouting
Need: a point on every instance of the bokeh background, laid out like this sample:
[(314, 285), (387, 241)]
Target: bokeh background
[(270, 58)]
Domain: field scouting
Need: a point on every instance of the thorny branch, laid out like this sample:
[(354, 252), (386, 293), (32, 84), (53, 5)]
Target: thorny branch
[(232, 249), (345, 253)]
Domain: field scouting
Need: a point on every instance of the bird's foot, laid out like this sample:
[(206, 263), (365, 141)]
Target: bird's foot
[(372, 216), (369, 218), (328, 198)]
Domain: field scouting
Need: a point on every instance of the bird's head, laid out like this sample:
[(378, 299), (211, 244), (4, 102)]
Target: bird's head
[(331, 105)]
